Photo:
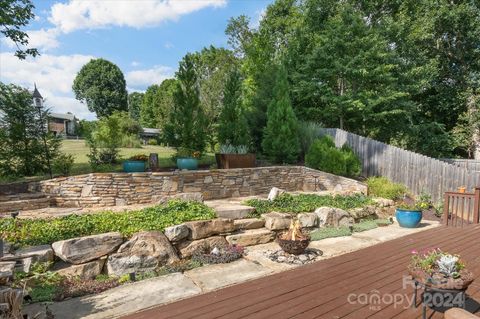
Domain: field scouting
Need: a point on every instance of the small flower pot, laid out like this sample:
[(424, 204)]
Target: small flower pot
[(408, 218), (134, 166), (188, 163)]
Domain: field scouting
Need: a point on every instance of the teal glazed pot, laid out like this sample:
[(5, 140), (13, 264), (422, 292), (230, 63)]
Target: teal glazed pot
[(134, 166), (408, 218), (189, 163)]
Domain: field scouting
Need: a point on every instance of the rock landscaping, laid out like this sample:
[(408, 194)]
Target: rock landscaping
[(124, 249)]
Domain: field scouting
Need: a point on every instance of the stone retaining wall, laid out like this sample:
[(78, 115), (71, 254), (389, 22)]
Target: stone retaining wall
[(110, 189)]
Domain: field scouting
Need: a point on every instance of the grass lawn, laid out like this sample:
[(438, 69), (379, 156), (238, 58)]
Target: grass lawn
[(79, 150)]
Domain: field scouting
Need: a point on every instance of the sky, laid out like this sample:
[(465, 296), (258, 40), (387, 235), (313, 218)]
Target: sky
[(145, 38)]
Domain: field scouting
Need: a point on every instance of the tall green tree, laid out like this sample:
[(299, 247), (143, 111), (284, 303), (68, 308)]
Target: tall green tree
[(280, 140), (233, 126), (135, 100), (187, 128), (148, 108), (157, 104), (101, 85), (23, 135), (15, 14)]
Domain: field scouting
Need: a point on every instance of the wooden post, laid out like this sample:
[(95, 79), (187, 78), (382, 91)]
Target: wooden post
[(445, 209), (476, 205), (153, 162)]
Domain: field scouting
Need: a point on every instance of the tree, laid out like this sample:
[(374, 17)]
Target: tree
[(157, 104), (233, 127), (280, 140), (22, 134), (186, 129), (15, 14), (212, 66), (101, 85), (135, 100)]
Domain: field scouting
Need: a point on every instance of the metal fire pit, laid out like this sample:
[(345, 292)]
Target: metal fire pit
[(294, 247)]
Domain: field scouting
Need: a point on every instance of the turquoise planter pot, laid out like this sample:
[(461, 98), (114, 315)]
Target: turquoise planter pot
[(189, 163), (408, 218), (133, 166)]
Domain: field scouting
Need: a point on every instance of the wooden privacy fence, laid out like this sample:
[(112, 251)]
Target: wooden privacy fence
[(470, 164), (417, 172), (461, 208)]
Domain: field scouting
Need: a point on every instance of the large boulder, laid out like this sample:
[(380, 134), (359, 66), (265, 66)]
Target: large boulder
[(274, 193), (189, 248), (83, 249), (383, 202), (363, 212), (145, 251), (333, 217), (248, 223), (176, 232), (88, 270), (251, 237), (277, 221), (308, 220), (206, 228)]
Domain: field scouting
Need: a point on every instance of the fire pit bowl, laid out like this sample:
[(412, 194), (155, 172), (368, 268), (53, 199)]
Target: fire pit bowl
[(294, 247)]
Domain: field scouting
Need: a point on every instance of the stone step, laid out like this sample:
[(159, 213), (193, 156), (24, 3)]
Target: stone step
[(20, 196), (251, 237), (225, 209), (24, 204)]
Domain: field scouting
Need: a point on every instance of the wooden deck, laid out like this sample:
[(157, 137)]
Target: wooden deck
[(335, 288)]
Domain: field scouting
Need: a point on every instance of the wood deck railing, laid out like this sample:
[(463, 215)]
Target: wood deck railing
[(461, 208)]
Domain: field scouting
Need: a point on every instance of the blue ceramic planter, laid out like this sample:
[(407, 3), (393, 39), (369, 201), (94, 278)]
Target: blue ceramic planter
[(134, 166), (189, 163), (408, 218)]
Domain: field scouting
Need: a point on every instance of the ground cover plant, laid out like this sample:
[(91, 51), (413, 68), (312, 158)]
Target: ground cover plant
[(330, 232), (24, 232), (303, 203)]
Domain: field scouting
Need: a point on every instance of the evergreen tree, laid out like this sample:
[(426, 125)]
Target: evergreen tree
[(134, 104), (280, 139), (233, 127), (186, 129)]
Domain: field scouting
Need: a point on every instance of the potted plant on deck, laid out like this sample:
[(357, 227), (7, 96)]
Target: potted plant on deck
[(233, 134), (409, 215), (136, 163), (439, 270)]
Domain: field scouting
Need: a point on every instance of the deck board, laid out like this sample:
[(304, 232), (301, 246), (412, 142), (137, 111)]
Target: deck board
[(322, 289)]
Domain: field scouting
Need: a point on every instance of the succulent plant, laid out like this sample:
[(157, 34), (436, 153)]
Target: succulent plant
[(447, 265)]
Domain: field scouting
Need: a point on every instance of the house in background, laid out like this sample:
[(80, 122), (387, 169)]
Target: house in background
[(60, 124)]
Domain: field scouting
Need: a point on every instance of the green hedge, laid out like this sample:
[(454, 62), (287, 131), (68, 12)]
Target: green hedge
[(303, 203), (25, 232)]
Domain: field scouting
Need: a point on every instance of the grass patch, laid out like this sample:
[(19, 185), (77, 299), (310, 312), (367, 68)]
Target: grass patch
[(304, 203), (330, 232), (27, 232), (383, 187)]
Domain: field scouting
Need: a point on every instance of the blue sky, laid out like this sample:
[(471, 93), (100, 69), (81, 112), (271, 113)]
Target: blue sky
[(145, 38)]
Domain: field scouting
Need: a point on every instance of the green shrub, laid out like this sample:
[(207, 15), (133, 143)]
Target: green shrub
[(330, 232), (306, 203), (63, 164), (308, 132), (324, 156), (353, 165), (25, 232), (152, 141), (130, 141), (382, 187)]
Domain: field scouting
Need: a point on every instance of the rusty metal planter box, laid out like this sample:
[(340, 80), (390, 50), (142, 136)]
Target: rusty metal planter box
[(235, 160)]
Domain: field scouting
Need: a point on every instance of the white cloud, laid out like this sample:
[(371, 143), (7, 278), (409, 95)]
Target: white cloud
[(77, 14), (53, 75), (135, 63), (258, 17), (43, 39), (142, 78), (168, 45)]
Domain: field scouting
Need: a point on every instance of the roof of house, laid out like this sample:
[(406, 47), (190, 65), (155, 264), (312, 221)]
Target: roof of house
[(64, 116), (36, 93), (147, 130)]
